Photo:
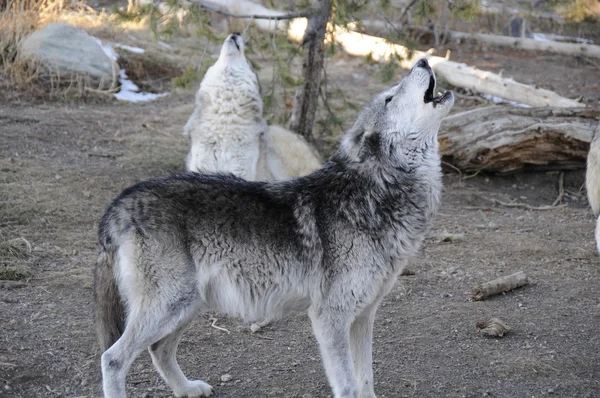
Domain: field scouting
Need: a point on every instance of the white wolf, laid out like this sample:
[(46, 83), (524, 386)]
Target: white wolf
[(228, 132), (331, 243), (592, 180)]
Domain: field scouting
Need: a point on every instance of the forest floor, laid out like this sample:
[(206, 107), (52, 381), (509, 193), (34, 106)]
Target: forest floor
[(62, 162)]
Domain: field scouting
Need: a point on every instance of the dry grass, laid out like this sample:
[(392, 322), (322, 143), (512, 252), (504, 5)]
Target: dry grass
[(14, 254), (23, 17)]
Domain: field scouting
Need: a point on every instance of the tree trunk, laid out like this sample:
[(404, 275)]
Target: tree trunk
[(307, 97), (503, 139)]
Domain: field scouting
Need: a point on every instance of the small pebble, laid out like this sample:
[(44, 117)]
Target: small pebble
[(226, 377)]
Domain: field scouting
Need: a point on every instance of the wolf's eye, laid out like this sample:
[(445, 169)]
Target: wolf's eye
[(388, 99)]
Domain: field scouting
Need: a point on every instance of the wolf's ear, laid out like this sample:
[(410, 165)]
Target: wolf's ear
[(370, 147), (358, 147)]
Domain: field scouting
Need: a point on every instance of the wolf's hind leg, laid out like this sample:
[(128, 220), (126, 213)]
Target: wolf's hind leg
[(332, 330), (146, 324), (163, 355)]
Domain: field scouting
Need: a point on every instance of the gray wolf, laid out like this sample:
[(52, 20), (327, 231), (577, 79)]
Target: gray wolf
[(331, 243), (592, 180), (228, 132)]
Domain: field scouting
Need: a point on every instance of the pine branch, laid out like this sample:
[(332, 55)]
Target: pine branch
[(405, 12)]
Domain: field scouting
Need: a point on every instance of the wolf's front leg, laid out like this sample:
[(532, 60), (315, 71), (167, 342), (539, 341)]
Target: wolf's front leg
[(332, 330), (361, 344)]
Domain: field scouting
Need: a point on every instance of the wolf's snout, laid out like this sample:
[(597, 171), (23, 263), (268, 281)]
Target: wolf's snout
[(236, 39), (422, 63)]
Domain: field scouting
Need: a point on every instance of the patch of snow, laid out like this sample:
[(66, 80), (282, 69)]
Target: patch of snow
[(136, 50), (131, 92), (498, 100), (165, 45), (108, 50), (552, 36), (540, 37)]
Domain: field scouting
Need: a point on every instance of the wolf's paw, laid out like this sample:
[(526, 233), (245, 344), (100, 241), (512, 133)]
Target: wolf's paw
[(367, 394), (195, 389)]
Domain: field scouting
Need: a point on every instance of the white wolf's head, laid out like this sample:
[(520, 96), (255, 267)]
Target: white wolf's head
[(233, 47), (229, 87), (399, 120)]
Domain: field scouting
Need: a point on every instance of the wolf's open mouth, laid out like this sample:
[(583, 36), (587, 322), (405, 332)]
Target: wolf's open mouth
[(429, 93), (236, 43)]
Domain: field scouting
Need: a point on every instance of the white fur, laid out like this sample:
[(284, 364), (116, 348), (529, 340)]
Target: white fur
[(227, 129), (284, 155), (592, 181)]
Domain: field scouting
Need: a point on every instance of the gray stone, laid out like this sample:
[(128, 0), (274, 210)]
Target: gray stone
[(63, 50)]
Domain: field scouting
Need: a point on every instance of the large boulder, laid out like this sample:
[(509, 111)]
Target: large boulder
[(63, 50)]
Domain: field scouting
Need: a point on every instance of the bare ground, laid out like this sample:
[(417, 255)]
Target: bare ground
[(60, 165)]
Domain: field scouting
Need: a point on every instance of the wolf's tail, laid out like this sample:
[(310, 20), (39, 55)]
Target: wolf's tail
[(110, 313)]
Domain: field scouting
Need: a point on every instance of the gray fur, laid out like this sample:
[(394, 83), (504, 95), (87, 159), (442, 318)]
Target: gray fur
[(331, 243), (592, 180)]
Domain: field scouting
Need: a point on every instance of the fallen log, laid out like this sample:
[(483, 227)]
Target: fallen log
[(500, 285), (503, 138), (457, 74), (543, 43)]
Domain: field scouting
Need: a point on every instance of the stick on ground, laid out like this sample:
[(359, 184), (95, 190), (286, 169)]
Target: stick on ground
[(500, 285)]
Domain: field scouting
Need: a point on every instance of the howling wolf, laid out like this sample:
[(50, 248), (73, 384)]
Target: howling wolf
[(227, 129), (592, 180), (331, 243)]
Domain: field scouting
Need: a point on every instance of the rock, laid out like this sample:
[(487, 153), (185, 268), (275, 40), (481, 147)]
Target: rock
[(226, 377), (60, 48)]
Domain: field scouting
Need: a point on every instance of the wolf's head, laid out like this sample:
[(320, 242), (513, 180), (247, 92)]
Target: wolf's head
[(230, 85), (233, 47), (400, 122)]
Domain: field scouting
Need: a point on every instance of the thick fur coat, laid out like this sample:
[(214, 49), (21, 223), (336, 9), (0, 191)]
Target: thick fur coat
[(331, 243), (228, 132), (592, 181)]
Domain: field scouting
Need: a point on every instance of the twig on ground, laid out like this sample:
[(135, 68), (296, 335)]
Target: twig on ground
[(561, 188), (102, 155), (472, 175), (260, 336), (453, 168), (482, 208), (525, 205), (214, 325), (500, 285)]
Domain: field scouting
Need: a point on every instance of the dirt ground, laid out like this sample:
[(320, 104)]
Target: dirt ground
[(61, 164)]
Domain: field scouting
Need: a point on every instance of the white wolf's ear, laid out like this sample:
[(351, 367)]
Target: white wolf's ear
[(358, 147)]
